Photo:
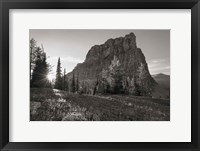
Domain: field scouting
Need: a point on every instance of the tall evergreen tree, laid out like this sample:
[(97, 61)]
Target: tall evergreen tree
[(32, 52), (65, 83), (40, 72), (118, 85), (35, 51), (33, 56), (73, 87), (137, 88), (95, 87), (58, 82), (36, 56), (77, 83)]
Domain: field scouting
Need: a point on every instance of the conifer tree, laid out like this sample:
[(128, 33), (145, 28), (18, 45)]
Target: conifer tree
[(65, 84), (137, 88), (58, 82), (35, 53), (77, 84), (40, 72), (32, 54), (118, 85), (73, 87)]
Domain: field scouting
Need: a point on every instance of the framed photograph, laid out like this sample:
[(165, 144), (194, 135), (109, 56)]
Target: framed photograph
[(99, 75)]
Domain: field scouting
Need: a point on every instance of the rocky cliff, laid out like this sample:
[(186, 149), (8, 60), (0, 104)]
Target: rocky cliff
[(118, 66)]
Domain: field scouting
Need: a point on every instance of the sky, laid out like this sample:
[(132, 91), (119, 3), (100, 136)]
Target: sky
[(72, 45)]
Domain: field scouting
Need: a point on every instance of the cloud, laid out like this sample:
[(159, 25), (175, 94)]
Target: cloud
[(157, 60), (69, 59), (155, 63), (159, 66)]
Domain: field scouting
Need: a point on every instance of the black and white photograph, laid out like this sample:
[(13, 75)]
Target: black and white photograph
[(99, 74)]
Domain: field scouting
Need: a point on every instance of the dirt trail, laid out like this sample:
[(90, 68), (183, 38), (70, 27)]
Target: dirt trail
[(74, 113), (58, 93)]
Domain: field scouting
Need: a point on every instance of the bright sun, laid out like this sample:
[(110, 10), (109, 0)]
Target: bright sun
[(50, 77)]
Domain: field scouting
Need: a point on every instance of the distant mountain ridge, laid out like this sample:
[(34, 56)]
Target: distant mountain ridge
[(163, 81)]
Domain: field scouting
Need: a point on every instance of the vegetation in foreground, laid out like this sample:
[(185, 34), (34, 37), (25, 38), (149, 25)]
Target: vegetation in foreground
[(55, 105)]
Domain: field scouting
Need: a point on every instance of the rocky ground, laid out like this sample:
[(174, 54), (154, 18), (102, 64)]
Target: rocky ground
[(56, 105)]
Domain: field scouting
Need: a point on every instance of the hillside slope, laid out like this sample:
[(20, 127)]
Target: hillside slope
[(163, 88)]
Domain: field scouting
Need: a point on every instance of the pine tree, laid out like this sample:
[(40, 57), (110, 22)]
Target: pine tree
[(77, 84), (45, 71), (95, 87), (73, 87), (40, 72), (118, 85), (65, 84), (58, 82), (33, 57), (35, 51), (137, 88), (32, 54)]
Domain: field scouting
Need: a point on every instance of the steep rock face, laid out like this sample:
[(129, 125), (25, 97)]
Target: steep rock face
[(117, 66)]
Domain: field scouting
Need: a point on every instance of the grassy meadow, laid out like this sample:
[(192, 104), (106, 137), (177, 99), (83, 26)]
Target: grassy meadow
[(56, 105)]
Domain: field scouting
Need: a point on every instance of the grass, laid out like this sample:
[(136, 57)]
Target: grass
[(46, 105)]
